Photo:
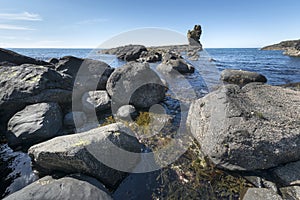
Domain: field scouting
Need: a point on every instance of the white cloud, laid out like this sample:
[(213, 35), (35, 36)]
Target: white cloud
[(26, 16), (92, 21), (13, 27)]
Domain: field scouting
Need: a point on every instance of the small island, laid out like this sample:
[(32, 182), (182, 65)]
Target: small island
[(290, 47)]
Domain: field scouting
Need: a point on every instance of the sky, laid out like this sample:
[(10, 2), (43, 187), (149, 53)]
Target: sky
[(94, 23)]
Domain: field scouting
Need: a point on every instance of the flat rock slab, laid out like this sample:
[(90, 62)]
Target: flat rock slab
[(100, 153), (249, 128), (261, 194), (76, 187)]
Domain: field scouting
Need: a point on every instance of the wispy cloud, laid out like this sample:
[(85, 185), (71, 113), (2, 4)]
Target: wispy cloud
[(25, 16), (92, 21), (13, 27)]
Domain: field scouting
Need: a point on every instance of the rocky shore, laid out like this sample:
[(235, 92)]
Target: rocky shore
[(290, 48), (71, 114)]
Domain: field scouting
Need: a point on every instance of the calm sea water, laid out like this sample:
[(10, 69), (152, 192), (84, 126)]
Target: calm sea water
[(279, 69)]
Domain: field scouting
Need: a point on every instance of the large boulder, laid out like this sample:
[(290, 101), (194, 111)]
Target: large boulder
[(34, 124), (127, 53), (241, 77), (9, 56), (89, 74), (75, 187), (93, 101), (136, 84), (29, 84), (249, 128), (91, 153)]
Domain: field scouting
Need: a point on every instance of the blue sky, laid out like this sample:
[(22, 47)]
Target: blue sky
[(79, 23)]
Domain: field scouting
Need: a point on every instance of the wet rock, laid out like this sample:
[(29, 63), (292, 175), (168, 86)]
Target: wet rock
[(127, 112), (136, 84), (288, 174), (34, 124), (89, 74), (71, 187), (150, 56), (95, 101), (91, 153), (261, 194), (29, 84), (127, 53), (241, 77), (18, 59), (249, 128), (75, 119), (176, 66), (173, 62), (290, 193)]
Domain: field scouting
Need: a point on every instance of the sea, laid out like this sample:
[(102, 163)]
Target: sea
[(278, 69)]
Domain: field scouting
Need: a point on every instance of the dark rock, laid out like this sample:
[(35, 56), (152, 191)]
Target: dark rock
[(194, 36), (54, 61), (89, 74), (91, 153), (288, 174), (68, 188), (75, 119), (249, 128), (127, 53), (150, 56), (290, 193), (34, 124), (290, 47), (127, 112), (241, 77), (178, 65), (18, 59), (173, 62), (261, 194), (135, 84), (95, 101), (29, 84)]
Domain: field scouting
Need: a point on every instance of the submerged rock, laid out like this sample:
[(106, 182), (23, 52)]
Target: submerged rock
[(136, 84), (91, 153), (18, 59), (127, 53), (241, 77), (71, 187), (249, 128), (34, 124)]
